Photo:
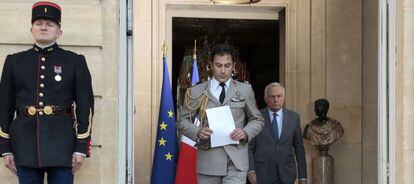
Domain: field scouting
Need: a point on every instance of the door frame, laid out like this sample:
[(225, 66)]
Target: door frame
[(387, 72), (125, 95)]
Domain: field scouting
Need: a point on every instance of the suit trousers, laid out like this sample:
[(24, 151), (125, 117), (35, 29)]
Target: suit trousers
[(55, 175), (234, 176)]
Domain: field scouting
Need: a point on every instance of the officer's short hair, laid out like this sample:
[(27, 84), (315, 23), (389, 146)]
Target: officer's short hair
[(222, 50)]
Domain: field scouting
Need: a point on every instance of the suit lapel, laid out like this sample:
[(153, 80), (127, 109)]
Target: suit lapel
[(268, 124)]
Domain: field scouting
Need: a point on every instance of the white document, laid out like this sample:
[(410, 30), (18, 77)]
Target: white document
[(221, 121)]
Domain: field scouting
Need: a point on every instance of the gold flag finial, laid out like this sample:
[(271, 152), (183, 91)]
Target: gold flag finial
[(164, 50), (195, 50)]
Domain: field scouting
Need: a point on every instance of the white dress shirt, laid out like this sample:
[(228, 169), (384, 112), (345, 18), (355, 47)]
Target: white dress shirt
[(215, 87)]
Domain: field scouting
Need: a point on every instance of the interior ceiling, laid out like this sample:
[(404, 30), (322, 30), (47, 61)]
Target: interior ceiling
[(220, 30), (226, 8)]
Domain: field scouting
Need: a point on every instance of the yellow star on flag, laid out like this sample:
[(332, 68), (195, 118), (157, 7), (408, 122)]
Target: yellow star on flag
[(168, 156), (162, 141), (163, 126), (170, 114)]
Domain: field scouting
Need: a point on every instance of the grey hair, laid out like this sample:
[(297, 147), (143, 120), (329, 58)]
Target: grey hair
[(273, 85)]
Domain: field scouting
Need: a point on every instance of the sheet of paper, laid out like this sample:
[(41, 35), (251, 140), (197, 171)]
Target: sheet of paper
[(221, 121)]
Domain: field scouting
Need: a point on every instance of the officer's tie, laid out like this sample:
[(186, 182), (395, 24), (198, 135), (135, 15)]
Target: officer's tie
[(223, 92), (275, 127)]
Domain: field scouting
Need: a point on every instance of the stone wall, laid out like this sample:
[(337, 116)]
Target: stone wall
[(405, 95), (324, 58), (89, 27)]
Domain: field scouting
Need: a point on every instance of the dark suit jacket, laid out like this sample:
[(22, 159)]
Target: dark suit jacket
[(265, 156)]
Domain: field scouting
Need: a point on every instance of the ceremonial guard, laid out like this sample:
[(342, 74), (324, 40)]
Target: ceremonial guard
[(46, 105)]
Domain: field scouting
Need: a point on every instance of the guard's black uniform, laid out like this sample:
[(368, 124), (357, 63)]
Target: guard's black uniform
[(41, 91)]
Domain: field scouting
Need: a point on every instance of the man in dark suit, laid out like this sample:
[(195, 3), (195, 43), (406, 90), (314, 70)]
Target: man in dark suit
[(40, 89), (272, 153)]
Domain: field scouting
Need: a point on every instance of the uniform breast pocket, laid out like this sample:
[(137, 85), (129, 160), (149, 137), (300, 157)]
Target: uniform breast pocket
[(237, 109), (239, 104)]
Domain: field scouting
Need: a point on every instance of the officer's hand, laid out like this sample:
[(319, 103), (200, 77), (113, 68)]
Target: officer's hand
[(238, 134), (77, 161), (9, 163), (204, 133), (252, 177)]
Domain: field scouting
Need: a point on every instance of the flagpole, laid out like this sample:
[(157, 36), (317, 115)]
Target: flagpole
[(195, 50), (164, 50)]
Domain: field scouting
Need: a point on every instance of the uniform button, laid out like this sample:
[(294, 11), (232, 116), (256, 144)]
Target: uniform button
[(43, 59), (41, 94), (42, 77), (40, 103), (42, 85), (43, 67), (41, 113)]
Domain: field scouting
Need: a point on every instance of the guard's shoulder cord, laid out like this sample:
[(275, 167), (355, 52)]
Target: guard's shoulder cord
[(201, 106)]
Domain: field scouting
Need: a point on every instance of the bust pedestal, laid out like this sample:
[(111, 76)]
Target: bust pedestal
[(323, 167)]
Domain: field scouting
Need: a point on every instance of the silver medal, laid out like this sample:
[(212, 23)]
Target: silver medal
[(58, 71)]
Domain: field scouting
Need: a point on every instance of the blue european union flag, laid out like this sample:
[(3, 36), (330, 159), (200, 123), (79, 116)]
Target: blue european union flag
[(165, 156)]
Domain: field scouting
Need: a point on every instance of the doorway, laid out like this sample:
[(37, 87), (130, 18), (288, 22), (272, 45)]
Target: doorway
[(256, 45), (311, 59)]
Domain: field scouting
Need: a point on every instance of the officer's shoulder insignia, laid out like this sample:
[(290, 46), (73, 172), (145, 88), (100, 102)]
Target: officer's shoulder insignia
[(78, 53), (243, 81), (196, 84)]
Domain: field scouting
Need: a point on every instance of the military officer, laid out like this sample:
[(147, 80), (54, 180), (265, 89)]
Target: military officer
[(229, 163), (46, 105)]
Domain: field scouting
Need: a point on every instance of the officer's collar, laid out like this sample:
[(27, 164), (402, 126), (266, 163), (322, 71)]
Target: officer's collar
[(47, 49)]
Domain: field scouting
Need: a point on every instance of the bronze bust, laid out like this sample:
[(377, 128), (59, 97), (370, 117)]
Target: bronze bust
[(323, 131)]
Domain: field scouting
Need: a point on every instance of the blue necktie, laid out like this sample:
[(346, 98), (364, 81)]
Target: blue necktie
[(275, 127)]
